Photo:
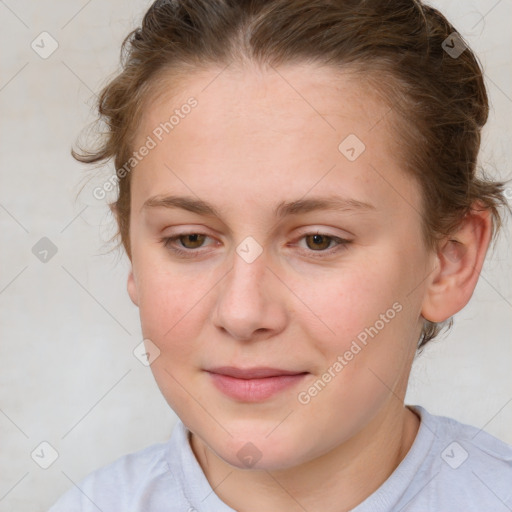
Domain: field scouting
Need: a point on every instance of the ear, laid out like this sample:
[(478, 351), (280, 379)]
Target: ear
[(459, 261), (132, 288)]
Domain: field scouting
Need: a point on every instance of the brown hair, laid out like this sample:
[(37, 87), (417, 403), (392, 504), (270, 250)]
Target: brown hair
[(396, 47)]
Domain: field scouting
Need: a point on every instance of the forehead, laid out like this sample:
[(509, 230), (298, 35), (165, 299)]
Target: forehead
[(289, 98), (281, 128)]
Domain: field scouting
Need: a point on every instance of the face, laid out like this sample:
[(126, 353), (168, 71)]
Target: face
[(294, 249)]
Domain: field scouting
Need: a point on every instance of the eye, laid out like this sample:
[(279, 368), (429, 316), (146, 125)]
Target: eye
[(321, 241), (317, 242), (195, 239), (189, 241)]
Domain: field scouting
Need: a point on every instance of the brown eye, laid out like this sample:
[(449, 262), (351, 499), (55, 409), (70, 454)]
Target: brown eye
[(195, 240), (318, 242)]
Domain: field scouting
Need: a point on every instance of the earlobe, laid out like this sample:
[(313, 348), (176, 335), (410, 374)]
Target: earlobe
[(132, 288), (459, 261)]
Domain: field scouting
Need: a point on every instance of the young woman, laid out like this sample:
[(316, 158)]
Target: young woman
[(299, 200)]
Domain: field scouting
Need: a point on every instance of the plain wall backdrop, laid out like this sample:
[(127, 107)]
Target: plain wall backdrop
[(68, 329)]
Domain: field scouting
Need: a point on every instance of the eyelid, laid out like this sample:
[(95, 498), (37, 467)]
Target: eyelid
[(324, 230), (307, 231)]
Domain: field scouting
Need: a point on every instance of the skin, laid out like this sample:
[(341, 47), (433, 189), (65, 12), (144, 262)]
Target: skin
[(253, 141)]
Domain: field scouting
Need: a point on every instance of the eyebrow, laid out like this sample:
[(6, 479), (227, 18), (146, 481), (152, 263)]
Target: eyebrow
[(283, 209)]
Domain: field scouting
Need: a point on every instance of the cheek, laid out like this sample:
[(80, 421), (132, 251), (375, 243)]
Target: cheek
[(342, 303), (169, 305), (170, 309), (366, 333)]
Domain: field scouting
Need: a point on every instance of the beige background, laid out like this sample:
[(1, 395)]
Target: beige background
[(68, 329)]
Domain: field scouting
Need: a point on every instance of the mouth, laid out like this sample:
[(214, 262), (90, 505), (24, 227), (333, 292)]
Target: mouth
[(253, 384)]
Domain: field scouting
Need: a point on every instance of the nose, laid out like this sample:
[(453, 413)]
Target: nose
[(251, 300)]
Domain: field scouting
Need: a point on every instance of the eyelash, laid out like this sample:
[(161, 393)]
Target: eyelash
[(191, 253)]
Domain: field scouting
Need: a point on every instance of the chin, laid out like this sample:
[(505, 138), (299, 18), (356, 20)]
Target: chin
[(256, 450)]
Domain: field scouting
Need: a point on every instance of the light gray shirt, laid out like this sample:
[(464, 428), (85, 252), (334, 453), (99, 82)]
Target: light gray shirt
[(450, 467)]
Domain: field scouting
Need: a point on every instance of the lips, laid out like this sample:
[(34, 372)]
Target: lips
[(252, 373), (253, 384)]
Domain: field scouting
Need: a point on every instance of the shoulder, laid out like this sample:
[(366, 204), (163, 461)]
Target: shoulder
[(466, 465), (467, 441), (123, 483)]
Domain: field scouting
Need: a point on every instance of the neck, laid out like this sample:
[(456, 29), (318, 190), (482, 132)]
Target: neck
[(335, 482)]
